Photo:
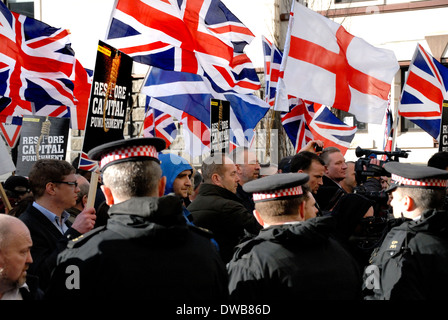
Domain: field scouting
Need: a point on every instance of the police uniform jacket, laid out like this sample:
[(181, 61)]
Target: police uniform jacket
[(220, 211), (146, 251), (412, 261), (294, 262)]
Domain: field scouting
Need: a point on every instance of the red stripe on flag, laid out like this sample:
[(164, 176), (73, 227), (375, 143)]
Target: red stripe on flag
[(47, 40), (151, 17), (337, 63), (431, 92)]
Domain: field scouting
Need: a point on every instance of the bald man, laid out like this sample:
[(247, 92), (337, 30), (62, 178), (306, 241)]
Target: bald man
[(15, 258)]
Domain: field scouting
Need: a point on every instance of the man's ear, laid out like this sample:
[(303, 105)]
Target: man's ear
[(302, 211), (238, 168), (84, 200), (49, 188), (108, 195), (216, 179), (408, 203), (258, 218), (162, 184)]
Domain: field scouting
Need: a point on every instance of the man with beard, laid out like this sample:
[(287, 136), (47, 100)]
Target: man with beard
[(247, 169), (15, 258)]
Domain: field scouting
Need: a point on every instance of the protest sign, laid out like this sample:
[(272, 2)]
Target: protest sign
[(219, 125), (443, 140), (41, 138), (109, 97)]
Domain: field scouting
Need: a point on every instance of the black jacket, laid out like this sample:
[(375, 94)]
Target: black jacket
[(33, 292), (245, 198), (146, 251), (48, 241), (220, 211), (328, 194), (294, 262), (412, 261)]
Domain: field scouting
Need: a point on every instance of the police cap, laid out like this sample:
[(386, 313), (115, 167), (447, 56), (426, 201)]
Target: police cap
[(414, 176), (276, 186), (135, 149)]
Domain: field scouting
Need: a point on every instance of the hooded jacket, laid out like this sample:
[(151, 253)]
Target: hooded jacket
[(412, 260), (146, 251), (172, 165), (294, 262)]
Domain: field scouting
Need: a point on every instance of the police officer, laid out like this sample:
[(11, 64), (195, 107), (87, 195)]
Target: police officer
[(146, 250), (291, 259), (411, 262)]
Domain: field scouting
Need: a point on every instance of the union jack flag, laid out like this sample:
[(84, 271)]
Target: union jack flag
[(195, 36), (388, 132), (36, 65), (326, 127), (424, 91), (85, 163), (192, 93), (296, 122), (83, 85), (196, 134), (272, 62), (157, 123)]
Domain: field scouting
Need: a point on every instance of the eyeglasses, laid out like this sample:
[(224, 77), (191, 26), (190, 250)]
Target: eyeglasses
[(70, 183)]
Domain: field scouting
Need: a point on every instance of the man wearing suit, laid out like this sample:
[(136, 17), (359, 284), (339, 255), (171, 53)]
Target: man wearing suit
[(55, 189)]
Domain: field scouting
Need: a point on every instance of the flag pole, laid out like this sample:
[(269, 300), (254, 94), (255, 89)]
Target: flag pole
[(5, 199), (92, 189), (395, 119)]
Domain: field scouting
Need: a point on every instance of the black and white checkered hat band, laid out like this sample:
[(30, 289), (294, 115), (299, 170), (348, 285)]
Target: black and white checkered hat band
[(129, 152), (295, 191), (419, 183)]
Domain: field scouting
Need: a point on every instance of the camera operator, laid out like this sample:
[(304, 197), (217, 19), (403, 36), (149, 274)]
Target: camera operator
[(372, 186), (372, 180)]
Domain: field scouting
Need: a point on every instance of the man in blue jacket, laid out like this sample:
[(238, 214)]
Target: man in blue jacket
[(178, 172)]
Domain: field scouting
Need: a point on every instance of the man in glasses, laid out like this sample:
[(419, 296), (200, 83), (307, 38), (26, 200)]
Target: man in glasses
[(54, 186)]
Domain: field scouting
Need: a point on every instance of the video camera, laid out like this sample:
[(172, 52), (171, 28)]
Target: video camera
[(372, 230), (364, 168)]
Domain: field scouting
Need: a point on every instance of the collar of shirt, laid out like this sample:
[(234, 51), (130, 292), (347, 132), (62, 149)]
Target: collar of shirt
[(55, 220), (14, 294)]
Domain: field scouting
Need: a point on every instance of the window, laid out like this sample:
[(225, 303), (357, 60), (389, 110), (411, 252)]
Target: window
[(24, 7), (350, 120)]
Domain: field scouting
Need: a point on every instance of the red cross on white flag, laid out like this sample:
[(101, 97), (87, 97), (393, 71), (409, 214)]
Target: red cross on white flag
[(323, 63)]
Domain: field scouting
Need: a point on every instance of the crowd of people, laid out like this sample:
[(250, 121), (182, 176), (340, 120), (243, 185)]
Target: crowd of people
[(161, 229)]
